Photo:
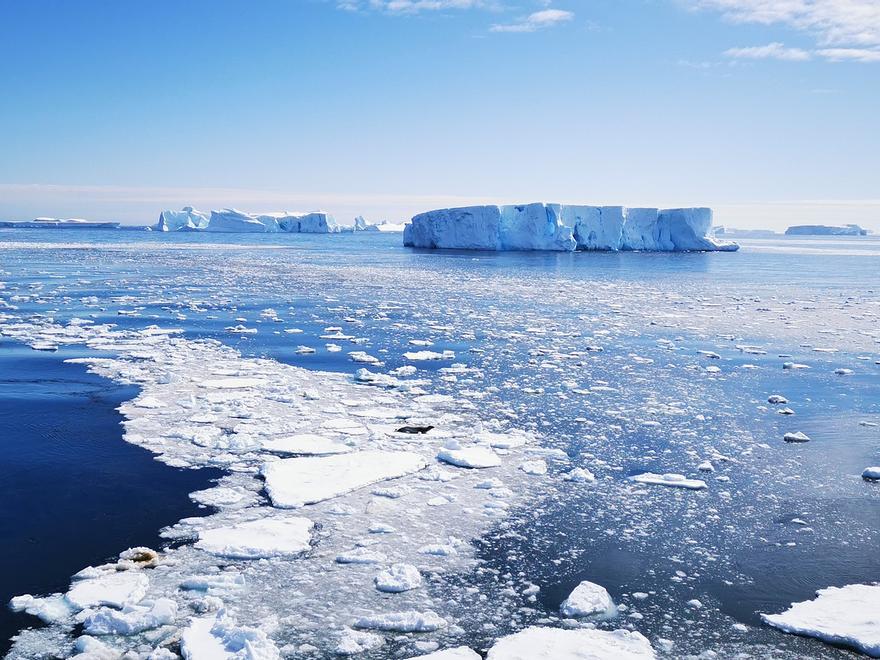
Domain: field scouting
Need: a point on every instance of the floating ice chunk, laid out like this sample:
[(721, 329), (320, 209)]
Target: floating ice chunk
[(796, 436), (284, 537), (398, 578), (847, 615), (580, 644), (669, 479), (132, 619), (843, 372), (218, 496), (217, 637), (215, 583), (508, 440), (706, 466), (871, 474), (294, 482), (794, 365), (361, 556), (307, 444), (588, 599), (89, 648), (580, 475), (537, 467), (417, 356), (407, 622), (363, 357), (49, 609), (113, 589), (458, 653), (470, 457), (352, 642), (776, 398)]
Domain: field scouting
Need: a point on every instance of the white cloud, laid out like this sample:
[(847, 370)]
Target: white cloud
[(774, 51), (850, 54), (843, 23), (539, 20)]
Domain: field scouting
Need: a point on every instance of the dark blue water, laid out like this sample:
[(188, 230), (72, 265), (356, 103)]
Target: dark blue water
[(73, 493)]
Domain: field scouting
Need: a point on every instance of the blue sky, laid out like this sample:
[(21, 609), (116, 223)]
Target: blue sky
[(768, 110)]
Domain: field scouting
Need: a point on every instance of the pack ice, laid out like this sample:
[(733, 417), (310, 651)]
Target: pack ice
[(565, 228)]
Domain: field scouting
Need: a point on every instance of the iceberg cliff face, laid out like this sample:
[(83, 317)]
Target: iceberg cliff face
[(565, 228)]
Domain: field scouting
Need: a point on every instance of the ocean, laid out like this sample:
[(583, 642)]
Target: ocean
[(619, 364)]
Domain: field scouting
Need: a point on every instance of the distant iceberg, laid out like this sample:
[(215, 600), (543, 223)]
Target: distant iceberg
[(825, 230), (565, 228), (384, 226), (58, 223), (235, 221)]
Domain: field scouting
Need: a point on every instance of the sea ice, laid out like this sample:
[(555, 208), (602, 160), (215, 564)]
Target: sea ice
[(470, 457), (217, 637), (871, 474), (588, 599), (353, 642), (580, 644), (458, 653), (847, 615), (285, 537), (307, 444), (294, 482), (669, 479), (132, 619), (407, 622), (113, 589), (398, 578)]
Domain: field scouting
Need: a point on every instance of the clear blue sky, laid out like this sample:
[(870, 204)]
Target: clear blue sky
[(114, 109)]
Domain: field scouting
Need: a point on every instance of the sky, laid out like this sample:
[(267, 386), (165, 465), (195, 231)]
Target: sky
[(766, 110)]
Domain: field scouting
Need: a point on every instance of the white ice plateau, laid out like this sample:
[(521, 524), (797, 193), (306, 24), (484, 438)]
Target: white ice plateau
[(561, 227)]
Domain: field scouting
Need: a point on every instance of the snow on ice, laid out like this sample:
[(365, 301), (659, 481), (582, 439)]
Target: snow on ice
[(847, 615)]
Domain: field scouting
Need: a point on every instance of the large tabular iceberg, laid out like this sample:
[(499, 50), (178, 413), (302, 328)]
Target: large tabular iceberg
[(565, 228)]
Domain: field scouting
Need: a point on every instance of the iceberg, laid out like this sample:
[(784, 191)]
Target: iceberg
[(58, 223), (565, 228), (235, 221), (187, 219), (825, 230)]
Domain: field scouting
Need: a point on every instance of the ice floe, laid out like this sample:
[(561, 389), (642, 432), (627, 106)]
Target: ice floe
[(582, 644), (295, 482), (847, 615), (259, 539)]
